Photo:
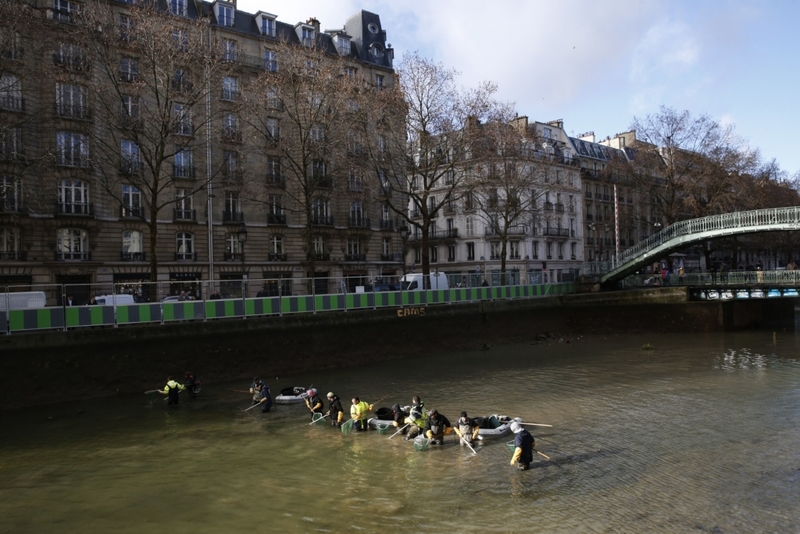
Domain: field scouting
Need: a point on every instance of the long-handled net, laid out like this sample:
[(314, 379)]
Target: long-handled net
[(348, 426), (317, 417), (421, 443), (383, 428)]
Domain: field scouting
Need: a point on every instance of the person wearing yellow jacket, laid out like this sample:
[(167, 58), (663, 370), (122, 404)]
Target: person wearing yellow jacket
[(358, 413), (335, 410), (523, 443), (171, 390)]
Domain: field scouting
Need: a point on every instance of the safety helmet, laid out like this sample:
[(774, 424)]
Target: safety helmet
[(516, 428), (330, 395)]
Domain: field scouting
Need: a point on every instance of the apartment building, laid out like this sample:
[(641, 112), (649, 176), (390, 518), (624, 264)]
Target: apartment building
[(107, 162)]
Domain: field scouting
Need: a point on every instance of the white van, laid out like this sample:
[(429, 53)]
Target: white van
[(110, 300), (23, 300), (413, 281)]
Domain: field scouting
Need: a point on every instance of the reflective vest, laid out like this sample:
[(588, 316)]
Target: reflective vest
[(359, 411)]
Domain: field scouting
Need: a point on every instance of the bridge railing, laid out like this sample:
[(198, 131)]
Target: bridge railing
[(719, 279), (724, 221)]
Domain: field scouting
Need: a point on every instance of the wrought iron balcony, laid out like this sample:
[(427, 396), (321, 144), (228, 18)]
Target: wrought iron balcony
[(73, 256), (322, 220), (185, 172), (387, 224), (276, 179), (355, 257), (131, 212), (185, 256), (276, 218), (179, 214), (358, 222), (12, 103), (232, 217), (13, 256), (324, 256), (132, 256), (70, 111), (74, 208), (276, 257), (555, 232), (234, 256)]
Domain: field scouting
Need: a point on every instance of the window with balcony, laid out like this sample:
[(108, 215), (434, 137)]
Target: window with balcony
[(434, 254), (72, 149), (535, 250), (319, 173), (276, 248), (72, 244), (270, 61), (470, 251), (9, 245), (182, 166), (320, 212), (230, 128), (230, 88), (184, 205), (513, 250), (131, 201), (10, 194), (230, 165), (184, 246), (183, 119), (71, 56), (357, 214), (233, 208), (274, 170), (73, 198), (549, 250), (126, 27), (228, 50), (66, 11), (353, 248), (71, 101), (132, 246), (469, 226), (273, 129), (130, 162), (233, 247), (274, 98), (128, 70), (10, 93), (275, 213), (11, 144), (180, 39), (495, 249), (318, 242)]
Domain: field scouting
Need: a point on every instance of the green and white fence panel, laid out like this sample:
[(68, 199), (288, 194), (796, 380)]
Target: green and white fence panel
[(82, 316), (138, 313), (414, 298), (437, 296), (262, 306), (37, 319), (300, 304), (183, 311), (359, 301), (222, 309), (333, 302)]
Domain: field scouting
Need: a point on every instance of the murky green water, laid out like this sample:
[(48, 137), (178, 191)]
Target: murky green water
[(698, 435)]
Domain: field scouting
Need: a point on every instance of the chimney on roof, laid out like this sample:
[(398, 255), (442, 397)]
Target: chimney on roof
[(313, 21)]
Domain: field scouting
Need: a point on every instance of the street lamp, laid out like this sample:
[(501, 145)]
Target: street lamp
[(242, 235), (403, 231)]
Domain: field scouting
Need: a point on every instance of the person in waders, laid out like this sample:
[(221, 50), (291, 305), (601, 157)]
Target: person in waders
[(335, 409), (172, 390), (523, 447)]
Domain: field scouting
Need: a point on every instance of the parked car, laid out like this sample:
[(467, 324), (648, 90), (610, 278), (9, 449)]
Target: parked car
[(176, 298)]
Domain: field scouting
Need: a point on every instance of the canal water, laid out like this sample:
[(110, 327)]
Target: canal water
[(698, 434)]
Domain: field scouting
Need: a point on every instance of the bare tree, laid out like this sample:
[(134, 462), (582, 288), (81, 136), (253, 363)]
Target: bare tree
[(429, 154), (154, 77), (300, 113), (696, 162), (503, 189)]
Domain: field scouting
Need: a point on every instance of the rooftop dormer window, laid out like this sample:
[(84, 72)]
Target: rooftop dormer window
[(225, 16), (307, 35), (343, 45), (376, 51), (178, 7), (268, 27)]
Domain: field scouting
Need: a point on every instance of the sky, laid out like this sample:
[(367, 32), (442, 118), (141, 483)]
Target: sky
[(598, 64)]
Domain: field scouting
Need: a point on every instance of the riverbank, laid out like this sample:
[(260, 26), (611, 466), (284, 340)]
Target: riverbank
[(57, 366)]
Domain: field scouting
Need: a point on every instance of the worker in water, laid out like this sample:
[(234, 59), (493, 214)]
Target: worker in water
[(436, 427), (416, 418), (523, 443), (467, 429), (192, 384), (335, 409), (314, 402), (262, 396), (358, 413), (254, 389), (399, 415), (171, 390)]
